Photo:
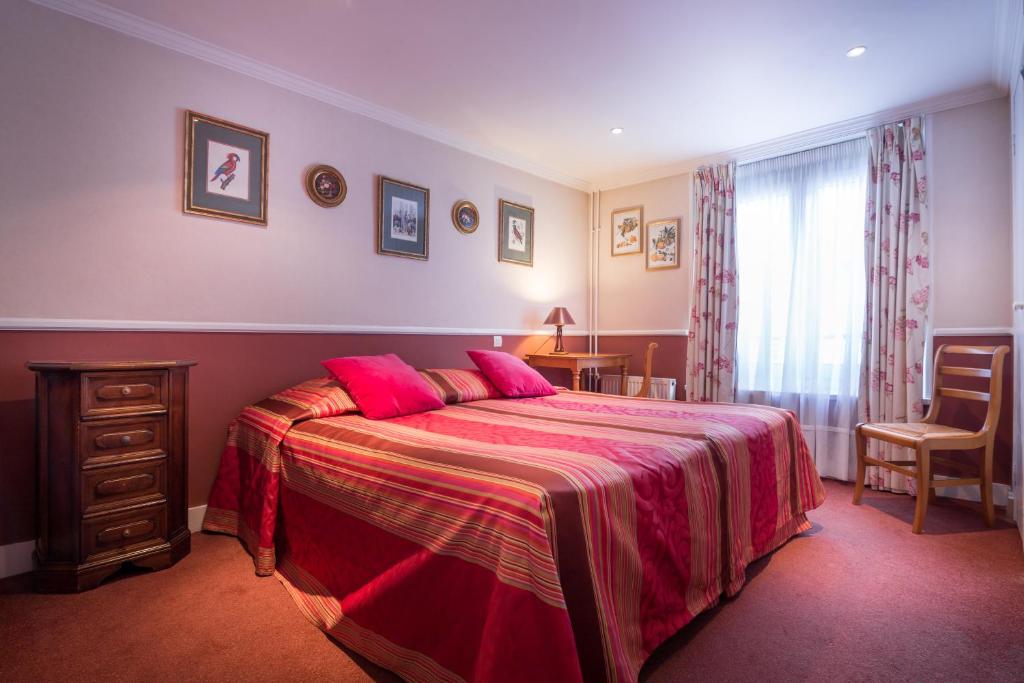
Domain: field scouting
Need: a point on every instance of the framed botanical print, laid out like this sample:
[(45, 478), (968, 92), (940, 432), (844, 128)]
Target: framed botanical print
[(663, 243), (627, 231), (515, 233), (465, 217), (225, 169), (403, 212), (326, 186)]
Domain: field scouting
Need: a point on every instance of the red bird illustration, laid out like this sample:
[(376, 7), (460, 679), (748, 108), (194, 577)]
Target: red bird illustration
[(227, 168)]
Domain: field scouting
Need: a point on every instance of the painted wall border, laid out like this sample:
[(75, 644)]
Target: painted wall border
[(972, 331), (96, 325)]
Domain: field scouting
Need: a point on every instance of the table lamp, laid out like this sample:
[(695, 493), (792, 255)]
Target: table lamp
[(559, 316)]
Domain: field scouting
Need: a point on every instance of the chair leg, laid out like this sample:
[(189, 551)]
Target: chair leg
[(862, 447), (924, 483), (986, 488)]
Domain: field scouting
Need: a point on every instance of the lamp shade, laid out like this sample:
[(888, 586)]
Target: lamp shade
[(559, 316)]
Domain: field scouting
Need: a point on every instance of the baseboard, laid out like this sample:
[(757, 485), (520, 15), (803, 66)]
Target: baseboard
[(17, 558), (1000, 493), (195, 518)]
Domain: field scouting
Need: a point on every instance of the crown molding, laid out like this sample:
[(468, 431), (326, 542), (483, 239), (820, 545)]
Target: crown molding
[(674, 332), (96, 325), (812, 137), (1009, 42), (158, 34)]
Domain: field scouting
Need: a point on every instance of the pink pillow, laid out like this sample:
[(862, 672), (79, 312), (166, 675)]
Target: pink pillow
[(383, 386), (513, 377)]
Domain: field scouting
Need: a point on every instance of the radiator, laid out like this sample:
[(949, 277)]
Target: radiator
[(661, 387)]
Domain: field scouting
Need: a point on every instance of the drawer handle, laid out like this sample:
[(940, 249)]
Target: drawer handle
[(135, 437), (118, 533), (116, 392), (135, 482)]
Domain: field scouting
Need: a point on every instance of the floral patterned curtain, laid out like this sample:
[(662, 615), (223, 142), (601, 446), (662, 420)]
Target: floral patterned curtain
[(711, 348), (899, 289)]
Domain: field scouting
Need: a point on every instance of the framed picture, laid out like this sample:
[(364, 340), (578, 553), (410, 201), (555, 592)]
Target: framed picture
[(663, 243), (515, 233), (627, 231), (225, 169), (465, 217), (326, 186), (403, 212)]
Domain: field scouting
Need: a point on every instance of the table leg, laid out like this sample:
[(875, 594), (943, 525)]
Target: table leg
[(625, 372), (575, 380)]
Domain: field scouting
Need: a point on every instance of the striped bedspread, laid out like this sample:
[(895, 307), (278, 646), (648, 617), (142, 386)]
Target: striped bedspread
[(549, 539)]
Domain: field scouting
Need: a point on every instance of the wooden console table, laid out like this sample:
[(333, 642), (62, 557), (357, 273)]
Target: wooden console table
[(577, 362)]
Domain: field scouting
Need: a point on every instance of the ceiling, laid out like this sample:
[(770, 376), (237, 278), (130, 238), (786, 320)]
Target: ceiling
[(545, 80)]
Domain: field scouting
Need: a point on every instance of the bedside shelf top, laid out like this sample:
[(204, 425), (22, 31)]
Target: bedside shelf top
[(87, 365)]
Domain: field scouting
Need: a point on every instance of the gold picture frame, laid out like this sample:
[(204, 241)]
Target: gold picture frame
[(403, 219), (663, 238), (465, 216), (326, 186), (233, 162), (627, 231)]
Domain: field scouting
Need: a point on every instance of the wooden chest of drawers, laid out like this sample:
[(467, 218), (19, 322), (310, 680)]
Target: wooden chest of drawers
[(113, 469)]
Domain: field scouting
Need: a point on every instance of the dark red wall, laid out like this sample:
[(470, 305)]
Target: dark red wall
[(669, 357), (234, 369)]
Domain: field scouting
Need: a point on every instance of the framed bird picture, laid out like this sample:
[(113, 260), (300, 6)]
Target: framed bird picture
[(515, 234), (225, 169)]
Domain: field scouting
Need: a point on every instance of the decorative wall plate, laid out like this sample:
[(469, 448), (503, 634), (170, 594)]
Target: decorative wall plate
[(326, 186), (465, 216)]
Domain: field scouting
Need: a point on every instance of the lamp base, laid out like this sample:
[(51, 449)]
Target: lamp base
[(560, 353), (559, 349)]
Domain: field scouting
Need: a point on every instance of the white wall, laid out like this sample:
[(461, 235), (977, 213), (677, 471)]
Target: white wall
[(631, 297), (971, 215), (91, 226), (971, 231)]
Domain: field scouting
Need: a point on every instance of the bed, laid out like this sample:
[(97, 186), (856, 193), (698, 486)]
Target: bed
[(560, 538)]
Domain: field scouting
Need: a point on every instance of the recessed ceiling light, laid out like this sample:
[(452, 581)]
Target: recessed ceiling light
[(856, 51), (616, 131)]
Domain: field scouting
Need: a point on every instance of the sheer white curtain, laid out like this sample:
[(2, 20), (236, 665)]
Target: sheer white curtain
[(800, 259)]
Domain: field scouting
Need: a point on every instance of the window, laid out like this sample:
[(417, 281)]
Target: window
[(800, 252)]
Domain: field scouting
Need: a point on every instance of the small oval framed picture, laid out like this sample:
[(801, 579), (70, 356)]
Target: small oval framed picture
[(326, 186), (465, 216)]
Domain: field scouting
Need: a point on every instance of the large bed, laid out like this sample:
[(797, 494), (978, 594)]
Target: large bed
[(559, 538)]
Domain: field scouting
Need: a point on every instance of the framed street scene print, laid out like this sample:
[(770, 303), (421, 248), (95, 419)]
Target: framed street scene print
[(403, 210)]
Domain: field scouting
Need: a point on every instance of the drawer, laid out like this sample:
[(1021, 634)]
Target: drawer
[(109, 488), (126, 439), (116, 393), (123, 532)]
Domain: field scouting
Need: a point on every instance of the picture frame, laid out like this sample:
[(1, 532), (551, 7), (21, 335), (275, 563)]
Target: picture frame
[(326, 186), (465, 217), (403, 219), (663, 238), (628, 231), (225, 170), (515, 233)]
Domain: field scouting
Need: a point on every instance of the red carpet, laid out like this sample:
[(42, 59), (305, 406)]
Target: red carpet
[(857, 598)]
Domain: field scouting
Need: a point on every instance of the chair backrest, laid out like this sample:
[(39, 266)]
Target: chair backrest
[(645, 386), (993, 373)]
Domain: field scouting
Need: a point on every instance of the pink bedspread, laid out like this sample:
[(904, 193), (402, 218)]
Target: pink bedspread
[(559, 538)]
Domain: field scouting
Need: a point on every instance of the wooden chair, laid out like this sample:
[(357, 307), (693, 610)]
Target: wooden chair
[(928, 436), (645, 386)]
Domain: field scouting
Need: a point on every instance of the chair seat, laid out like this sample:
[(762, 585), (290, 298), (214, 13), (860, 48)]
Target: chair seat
[(915, 432)]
